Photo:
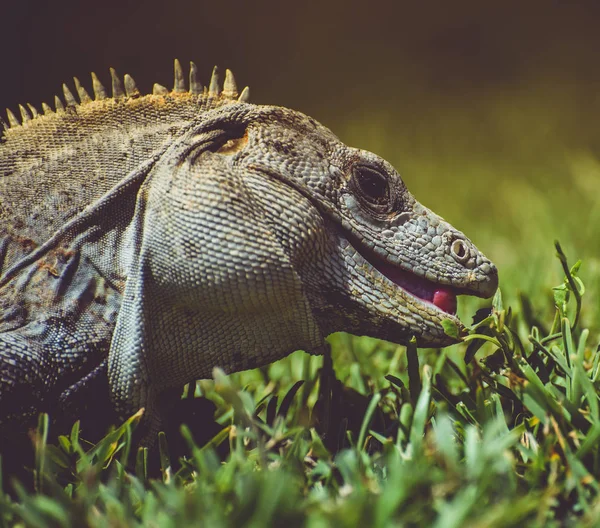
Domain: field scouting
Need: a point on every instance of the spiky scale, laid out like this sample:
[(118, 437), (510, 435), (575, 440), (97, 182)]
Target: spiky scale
[(195, 84), (46, 108), (230, 86), (99, 90), (214, 88), (24, 114), (69, 98), (179, 84), (84, 97), (117, 86), (245, 95), (159, 89), (131, 88), (58, 104), (33, 110), (12, 118)]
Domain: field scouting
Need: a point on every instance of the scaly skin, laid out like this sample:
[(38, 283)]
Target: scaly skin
[(152, 238)]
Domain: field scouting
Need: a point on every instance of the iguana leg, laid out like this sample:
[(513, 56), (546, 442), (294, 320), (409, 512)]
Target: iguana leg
[(24, 381), (37, 376)]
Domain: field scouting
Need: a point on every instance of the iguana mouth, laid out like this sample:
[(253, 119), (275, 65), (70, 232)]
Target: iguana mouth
[(441, 296)]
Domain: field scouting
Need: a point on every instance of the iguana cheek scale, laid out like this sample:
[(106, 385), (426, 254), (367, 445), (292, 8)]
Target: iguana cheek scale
[(146, 239)]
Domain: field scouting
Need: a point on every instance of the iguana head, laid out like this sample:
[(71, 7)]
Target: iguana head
[(388, 267)]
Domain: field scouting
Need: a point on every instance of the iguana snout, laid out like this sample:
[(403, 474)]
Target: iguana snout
[(427, 261), (453, 265)]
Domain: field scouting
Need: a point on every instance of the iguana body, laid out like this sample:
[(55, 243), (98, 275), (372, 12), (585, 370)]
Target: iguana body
[(155, 237)]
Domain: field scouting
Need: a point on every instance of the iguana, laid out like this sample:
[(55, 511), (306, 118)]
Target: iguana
[(150, 238)]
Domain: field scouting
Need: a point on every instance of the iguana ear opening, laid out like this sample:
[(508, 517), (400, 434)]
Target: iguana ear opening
[(233, 139), (212, 136), (233, 145)]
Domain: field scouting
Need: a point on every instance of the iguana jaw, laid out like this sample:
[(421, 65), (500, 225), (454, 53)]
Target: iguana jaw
[(441, 296)]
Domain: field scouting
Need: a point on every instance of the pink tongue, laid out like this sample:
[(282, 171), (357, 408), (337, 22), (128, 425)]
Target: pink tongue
[(445, 300)]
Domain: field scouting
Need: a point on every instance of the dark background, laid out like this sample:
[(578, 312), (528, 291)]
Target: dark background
[(488, 109), (323, 56), (305, 53)]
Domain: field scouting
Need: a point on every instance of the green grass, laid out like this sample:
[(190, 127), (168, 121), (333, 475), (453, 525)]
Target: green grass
[(416, 438)]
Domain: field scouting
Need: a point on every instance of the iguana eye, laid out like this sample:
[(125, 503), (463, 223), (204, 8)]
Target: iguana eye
[(371, 185)]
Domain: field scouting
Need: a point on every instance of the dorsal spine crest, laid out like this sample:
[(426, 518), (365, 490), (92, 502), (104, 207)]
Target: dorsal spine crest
[(126, 89)]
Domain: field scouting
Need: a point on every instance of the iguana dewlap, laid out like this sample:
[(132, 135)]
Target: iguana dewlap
[(158, 236)]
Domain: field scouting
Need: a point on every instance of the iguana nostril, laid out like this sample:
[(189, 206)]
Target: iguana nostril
[(460, 250)]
